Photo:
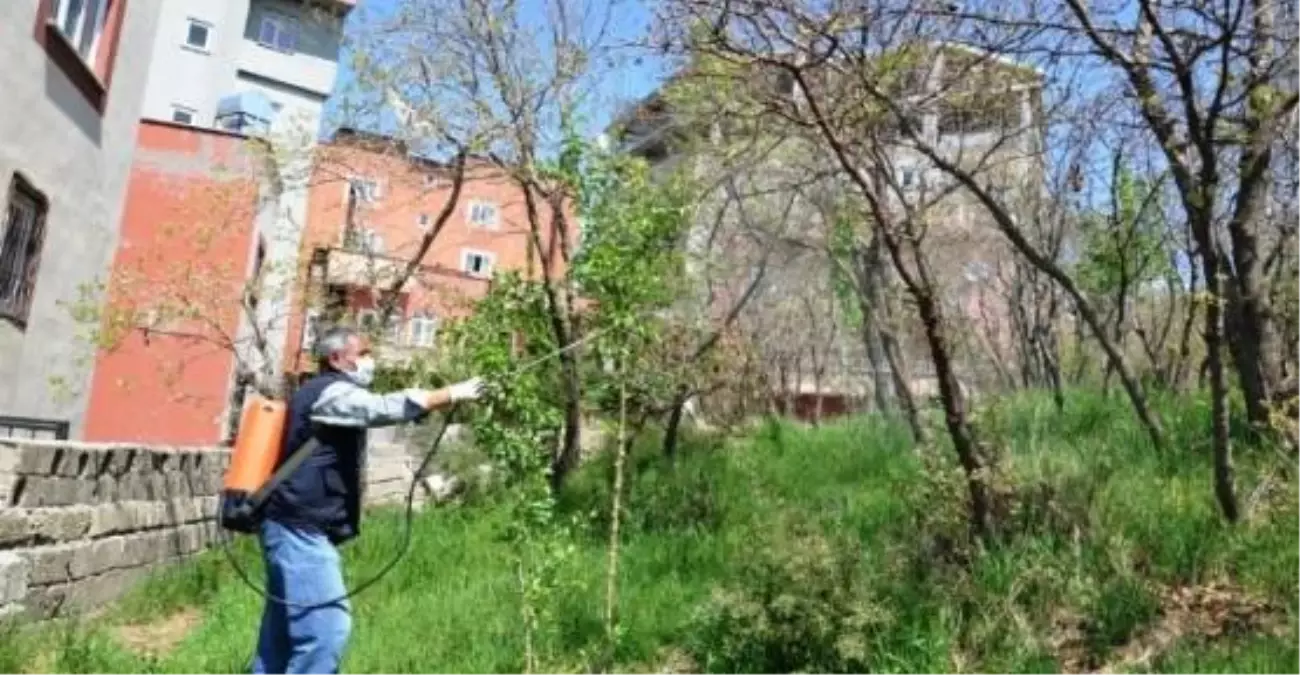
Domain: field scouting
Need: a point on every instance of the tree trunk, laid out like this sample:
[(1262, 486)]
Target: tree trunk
[(921, 288), (1224, 487), (674, 426), (963, 437), (902, 388), (570, 451)]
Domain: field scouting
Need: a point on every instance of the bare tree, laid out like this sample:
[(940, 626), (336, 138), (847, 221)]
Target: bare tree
[(480, 79)]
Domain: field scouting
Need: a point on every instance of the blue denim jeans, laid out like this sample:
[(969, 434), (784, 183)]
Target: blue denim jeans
[(303, 568)]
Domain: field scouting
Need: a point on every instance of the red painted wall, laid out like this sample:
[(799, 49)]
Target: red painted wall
[(186, 246)]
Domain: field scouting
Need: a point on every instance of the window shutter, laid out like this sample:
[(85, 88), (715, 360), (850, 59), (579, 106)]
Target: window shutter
[(33, 263)]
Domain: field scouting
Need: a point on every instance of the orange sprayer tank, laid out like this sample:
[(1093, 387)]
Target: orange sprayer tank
[(257, 445)]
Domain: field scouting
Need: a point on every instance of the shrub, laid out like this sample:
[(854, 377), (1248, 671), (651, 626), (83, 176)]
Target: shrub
[(802, 608)]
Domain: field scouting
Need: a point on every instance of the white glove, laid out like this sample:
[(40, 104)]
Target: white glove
[(468, 390)]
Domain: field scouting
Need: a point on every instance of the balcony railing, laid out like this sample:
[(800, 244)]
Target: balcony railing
[(355, 268), (33, 428)]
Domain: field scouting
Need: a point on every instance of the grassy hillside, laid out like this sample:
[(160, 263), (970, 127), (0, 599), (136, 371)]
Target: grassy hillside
[(837, 548)]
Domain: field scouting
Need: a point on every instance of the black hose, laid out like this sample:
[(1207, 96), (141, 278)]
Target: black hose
[(406, 537)]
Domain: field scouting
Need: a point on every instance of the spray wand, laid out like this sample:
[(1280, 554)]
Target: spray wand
[(410, 494)]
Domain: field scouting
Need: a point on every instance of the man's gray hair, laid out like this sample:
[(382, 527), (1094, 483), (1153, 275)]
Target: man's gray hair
[(333, 341)]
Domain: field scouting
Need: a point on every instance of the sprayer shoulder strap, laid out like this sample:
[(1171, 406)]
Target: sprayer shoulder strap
[(290, 465)]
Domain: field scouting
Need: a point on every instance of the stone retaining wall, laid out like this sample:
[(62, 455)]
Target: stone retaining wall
[(80, 523)]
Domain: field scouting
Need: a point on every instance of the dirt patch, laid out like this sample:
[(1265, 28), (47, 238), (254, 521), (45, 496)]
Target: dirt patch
[(157, 638), (1209, 611)]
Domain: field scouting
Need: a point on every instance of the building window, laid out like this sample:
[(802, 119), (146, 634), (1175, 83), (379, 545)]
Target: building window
[(368, 321), (182, 115), (363, 240), (976, 271), (477, 263), (311, 325), (423, 330), (278, 32), (483, 214), (20, 249), (366, 189), (198, 34), (81, 22), (423, 220)]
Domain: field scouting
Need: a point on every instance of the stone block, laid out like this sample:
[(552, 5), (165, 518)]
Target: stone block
[(61, 523), (149, 548), (131, 487), (79, 596), (58, 491), (38, 459), (157, 486), (46, 491), (103, 555), (73, 463), (14, 527), (105, 488), (7, 482), (118, 462), (10, 458), (177, 486), (109, 519), (45, 602), (14, 574), (53, 564)]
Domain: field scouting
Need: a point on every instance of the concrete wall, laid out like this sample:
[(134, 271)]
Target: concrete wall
[(298, 82), (182, 75), (313, 63), (79, 158), (81, 523)]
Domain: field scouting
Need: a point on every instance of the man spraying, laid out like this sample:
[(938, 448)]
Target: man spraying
[(318, 506)]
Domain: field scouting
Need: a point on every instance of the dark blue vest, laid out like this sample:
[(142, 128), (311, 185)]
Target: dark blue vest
[(324, 493)]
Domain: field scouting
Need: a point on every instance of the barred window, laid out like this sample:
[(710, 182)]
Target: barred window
[(20, 249)]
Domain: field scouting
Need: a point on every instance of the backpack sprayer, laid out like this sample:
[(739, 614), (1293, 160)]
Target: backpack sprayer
[(252, 476)]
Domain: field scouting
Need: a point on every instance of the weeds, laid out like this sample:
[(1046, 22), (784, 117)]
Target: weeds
[(834, 549)]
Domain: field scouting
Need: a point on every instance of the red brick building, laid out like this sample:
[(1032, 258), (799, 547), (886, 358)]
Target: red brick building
[(191, 247), (371, 204)]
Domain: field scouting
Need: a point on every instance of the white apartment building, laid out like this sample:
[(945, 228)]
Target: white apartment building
[(253, 66)]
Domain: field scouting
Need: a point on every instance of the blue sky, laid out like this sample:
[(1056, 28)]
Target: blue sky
[(626, 83)]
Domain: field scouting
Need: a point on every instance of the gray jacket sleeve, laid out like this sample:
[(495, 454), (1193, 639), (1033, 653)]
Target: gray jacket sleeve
[(346, 404)]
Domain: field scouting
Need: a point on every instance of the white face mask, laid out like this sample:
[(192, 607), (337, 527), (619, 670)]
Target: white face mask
[(365, 372)]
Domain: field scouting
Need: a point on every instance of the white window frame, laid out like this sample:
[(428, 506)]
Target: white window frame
[(370, 189), (282, 25), (977, 271), (190, 23), (422, 326), (476, 204), (311, 324), (186, 110), (371, 241), (86, 29), (488, 256)]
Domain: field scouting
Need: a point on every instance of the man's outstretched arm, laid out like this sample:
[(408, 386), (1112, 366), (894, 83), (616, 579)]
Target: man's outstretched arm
[(347, 404)]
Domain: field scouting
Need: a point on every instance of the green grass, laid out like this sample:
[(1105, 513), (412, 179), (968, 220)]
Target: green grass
[(837, 548)]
